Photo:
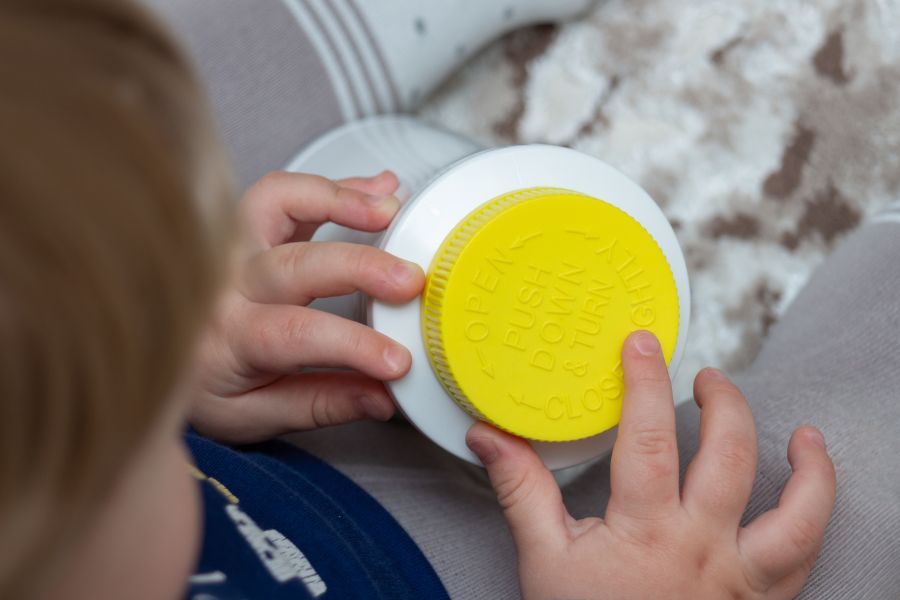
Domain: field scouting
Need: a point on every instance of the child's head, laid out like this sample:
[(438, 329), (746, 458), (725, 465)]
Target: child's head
[(113, 222)]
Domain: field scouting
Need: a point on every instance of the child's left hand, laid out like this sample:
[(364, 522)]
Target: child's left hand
[(661, 537), (252, 380)]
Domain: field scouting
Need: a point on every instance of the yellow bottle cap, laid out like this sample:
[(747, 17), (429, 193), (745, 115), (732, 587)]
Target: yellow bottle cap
[(528, 302)]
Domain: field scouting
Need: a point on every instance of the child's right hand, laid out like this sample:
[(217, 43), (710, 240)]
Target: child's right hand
[(254, 377), (655, 542)]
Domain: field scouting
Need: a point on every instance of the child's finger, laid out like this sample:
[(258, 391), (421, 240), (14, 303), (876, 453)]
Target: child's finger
[(781, 540), (720, 478), (288, 207), (297, 403), (284, 339), (644, 471), (791, 585), (526, 490), (301, 272), (383, 184)]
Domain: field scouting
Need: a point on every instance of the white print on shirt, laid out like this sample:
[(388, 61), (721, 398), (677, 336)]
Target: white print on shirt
[(207, 578), (279, 555)]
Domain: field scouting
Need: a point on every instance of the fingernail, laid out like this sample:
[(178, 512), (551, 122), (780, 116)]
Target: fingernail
[(380, 409), (383, 201), (403, 272), (484, 449), (713, 373), (816, 436), (388, 206), (395, 358), (645, 342)]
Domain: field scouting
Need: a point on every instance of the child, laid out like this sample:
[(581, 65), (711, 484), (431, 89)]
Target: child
[(114, 234)]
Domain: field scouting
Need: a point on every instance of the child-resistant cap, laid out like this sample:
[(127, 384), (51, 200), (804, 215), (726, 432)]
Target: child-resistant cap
[(527, 304)]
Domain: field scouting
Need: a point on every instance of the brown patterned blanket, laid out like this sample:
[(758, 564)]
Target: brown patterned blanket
[(765, 130)]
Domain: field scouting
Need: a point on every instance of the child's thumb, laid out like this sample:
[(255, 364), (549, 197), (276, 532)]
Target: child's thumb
[(526, 490)]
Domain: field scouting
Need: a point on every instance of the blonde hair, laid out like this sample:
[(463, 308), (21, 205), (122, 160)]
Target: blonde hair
[(113, 223)]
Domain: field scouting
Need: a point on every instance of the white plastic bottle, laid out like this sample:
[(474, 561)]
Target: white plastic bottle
[(540, 261)]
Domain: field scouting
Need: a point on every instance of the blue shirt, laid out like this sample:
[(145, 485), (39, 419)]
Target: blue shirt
[(280, 523)]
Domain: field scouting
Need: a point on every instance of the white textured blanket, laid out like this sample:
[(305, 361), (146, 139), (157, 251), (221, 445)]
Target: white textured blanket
[(765, 130)]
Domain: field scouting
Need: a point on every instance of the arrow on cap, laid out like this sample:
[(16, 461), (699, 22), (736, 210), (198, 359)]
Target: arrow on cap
[(584, 234), (486, 367), (521, 241), (519, 400)]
